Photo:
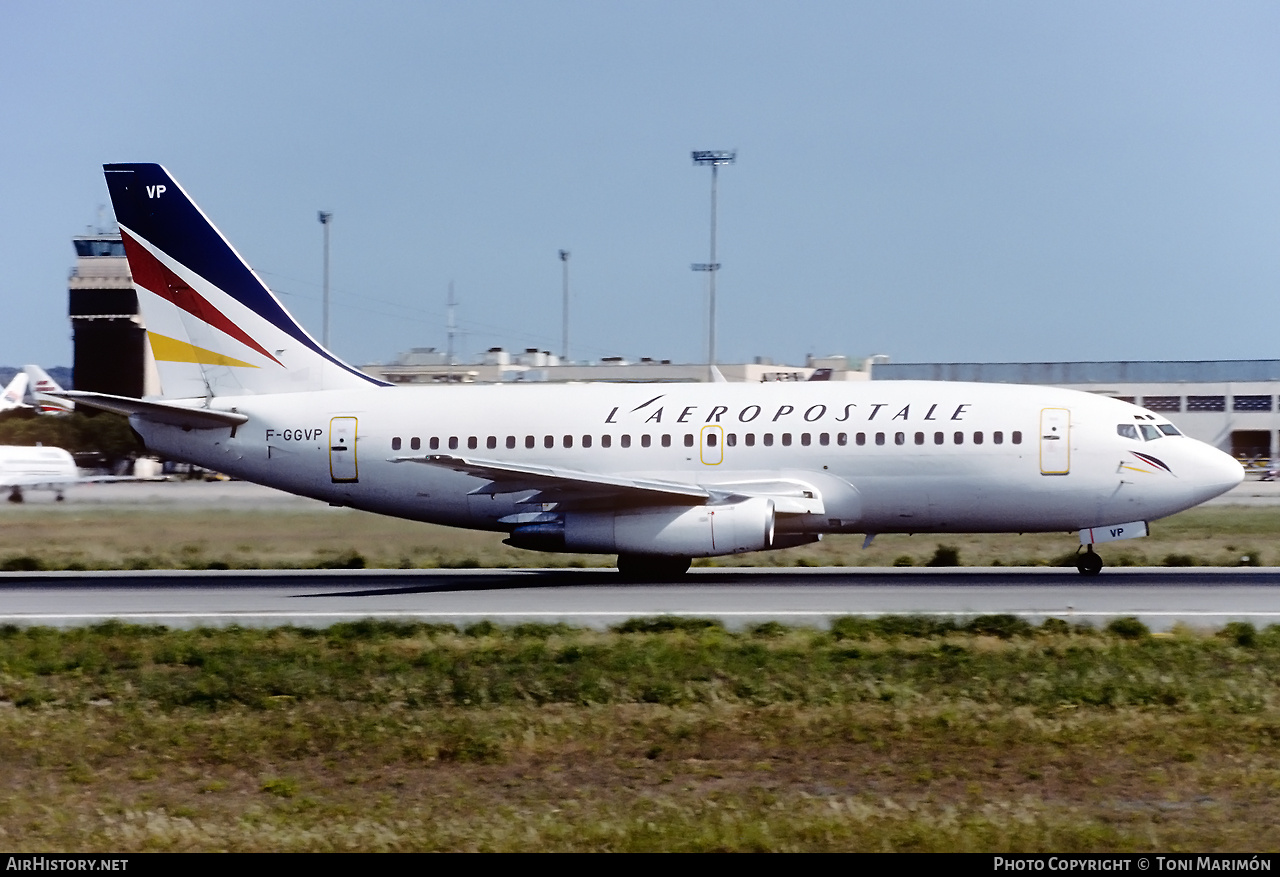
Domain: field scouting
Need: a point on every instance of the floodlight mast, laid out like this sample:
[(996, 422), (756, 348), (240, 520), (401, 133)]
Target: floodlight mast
[(713, 159), (325, 218), (564, 258)]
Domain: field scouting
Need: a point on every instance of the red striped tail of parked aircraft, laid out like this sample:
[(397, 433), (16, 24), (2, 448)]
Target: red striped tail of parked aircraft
[(657, 474)]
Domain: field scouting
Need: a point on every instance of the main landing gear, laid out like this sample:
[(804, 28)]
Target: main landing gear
[(651, 567), (1089, 563)]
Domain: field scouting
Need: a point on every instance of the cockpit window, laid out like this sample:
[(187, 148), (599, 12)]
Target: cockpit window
[(1128, 430), (1169, 429), (1149, 432)]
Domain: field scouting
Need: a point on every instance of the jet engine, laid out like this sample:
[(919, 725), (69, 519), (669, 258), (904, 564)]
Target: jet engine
[(686, 531)]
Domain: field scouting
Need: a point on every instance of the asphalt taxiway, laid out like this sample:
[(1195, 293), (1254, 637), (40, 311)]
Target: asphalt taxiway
[(1199, 597), (1160, 597)]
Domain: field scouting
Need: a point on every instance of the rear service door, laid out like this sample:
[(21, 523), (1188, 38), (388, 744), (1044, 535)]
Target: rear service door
[(1055, 441), (342, 450)]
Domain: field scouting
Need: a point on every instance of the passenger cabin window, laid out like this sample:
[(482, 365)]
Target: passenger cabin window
[(711, 439), (645, 440), (842, 438), (824, 438), (997, 438), (899, 438), (731, 439), (768, 439), (751, 439), (586, 441), (453, 442), (626, 441), (529, 441), (511, 442), (977, 438), (939, 438), (919, 438), (879, 438), (415, 443), (1017, 437), (666, 441), (1127, 430), (786, 439), (959, 438), (861, 438), (548, 441), (606, 441), (568, 441), (434, 443), (491, 442), (395, 443), (688, 439)]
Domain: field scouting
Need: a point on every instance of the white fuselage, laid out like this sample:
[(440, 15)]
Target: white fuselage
[(22, 466), (878, 457)]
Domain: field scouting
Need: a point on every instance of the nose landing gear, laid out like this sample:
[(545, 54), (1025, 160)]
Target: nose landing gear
[(1089, 563)]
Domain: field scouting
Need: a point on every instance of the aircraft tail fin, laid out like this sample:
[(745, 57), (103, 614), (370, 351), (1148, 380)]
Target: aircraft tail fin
[(13, 394), (41, 386), (214, 327)]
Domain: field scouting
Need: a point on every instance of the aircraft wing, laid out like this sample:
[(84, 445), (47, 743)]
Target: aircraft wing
[(571, 486), (560, 485), (158, 412)]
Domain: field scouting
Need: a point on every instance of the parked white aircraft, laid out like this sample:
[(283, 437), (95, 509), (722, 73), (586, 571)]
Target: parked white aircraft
[(36, 468), (12, 395), (42, 388), (657, 474)]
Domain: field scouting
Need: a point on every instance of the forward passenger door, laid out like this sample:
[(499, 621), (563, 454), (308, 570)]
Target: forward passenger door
[(1055, 441)]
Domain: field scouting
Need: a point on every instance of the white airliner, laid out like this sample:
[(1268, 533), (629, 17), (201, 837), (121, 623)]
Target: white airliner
[(36, 468), (658, 473)]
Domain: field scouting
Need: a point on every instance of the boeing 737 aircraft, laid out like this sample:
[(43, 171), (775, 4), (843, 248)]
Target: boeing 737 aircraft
[(657, 474)]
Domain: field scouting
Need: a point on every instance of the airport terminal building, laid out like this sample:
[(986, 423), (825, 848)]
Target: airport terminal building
[(1231, 403)]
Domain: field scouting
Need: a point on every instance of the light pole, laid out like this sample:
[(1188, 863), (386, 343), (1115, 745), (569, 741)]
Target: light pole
[(564, 259), (325, 218), (713, 159)]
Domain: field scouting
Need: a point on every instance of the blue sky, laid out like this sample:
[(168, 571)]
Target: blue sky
[(944, 181)]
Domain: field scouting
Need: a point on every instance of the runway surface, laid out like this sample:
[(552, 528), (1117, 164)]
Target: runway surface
[(1200, 597)]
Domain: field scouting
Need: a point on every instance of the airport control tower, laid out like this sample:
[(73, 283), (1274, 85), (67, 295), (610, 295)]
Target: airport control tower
[(111, 351)]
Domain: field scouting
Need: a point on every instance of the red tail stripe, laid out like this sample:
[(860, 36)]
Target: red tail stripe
[(150, 273)]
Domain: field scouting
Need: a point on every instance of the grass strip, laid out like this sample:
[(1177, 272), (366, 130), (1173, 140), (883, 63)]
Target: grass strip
[(894, 733)]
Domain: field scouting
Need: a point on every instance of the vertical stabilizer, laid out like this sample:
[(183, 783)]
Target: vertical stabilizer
[(12, 395), (41, 387), (214, 327)]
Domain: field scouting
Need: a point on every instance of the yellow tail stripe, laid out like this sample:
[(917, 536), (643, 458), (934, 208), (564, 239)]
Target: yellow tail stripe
[(168, 349)]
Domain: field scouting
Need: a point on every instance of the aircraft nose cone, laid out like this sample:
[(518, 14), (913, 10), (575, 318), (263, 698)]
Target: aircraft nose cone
[(1218, 473)]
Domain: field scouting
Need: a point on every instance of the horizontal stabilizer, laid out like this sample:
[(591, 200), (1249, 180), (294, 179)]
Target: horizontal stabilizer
[(158, 412)]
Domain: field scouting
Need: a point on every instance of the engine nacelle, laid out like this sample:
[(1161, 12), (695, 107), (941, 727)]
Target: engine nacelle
[(683, 531)]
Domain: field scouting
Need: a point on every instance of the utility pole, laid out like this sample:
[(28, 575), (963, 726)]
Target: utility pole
[(451, 329), (325, 218), (564, 347), (713, 159)]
